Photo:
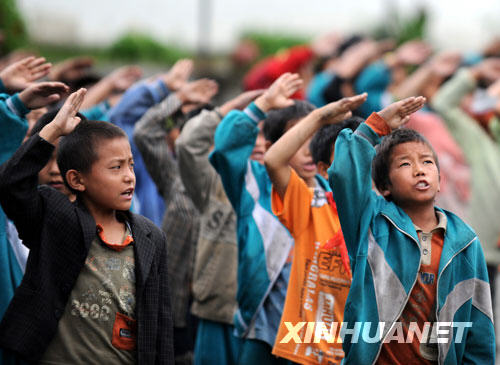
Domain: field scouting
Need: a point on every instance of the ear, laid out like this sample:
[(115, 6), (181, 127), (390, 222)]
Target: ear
[(385, 193), (267, 144), (75, 180), (322, 169)]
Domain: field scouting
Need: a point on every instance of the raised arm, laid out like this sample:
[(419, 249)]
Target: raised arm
[(13, 109), (150, 132), (279, 154), (119, 80), (139, 98), (236, 135), (195, 143), (19, 195), (447, 102), (23, 73), (376, 78), (350, 173)]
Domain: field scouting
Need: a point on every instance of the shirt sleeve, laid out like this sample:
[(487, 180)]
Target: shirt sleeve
[(193, 147), (294, 211), (233, 144), (350, 179)]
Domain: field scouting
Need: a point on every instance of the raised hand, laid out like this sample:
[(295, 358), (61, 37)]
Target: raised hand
[(398, 113), (326, 44), (241, 101), (42, 94), (445, 63), (488, 70), (339, 110), (71, 69), (21, 74), (413, 53), (65, 120), (198, 92), (124, 77), (278, 95), (178, 75)]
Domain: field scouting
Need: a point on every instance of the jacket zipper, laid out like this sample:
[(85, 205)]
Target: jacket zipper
[(414, 282), (437, 284)]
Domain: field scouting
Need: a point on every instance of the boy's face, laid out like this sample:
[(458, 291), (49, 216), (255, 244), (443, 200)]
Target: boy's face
[(32, 118), (110, 183), (260, 146), (303, 163), (413, 175)]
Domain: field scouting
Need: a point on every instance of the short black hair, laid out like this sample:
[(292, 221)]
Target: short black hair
[(382, 160), (78, 150), (276, 121), (46, 119), (323, 142)]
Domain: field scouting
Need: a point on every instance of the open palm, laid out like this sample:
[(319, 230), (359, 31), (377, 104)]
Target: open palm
[(42, 94), (21, 74), (397, 114), (340, 110), (279, 93), (199, 91), (179, 74), (66, 120)]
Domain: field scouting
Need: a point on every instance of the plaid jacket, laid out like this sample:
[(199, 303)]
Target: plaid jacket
[(180, 222), (216, 257), (59, 234)]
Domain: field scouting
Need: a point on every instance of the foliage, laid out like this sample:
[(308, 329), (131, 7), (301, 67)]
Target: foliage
[(136, 46), (12, 26)]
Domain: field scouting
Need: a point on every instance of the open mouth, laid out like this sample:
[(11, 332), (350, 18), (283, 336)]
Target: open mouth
[(310, 166), (422, 185), (128, 193)]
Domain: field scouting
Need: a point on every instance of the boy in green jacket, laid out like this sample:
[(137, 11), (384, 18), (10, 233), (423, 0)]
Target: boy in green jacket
[(420, 288)]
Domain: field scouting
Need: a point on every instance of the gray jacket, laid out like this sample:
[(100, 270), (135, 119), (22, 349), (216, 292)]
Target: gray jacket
[(180, 222), (215, 267)]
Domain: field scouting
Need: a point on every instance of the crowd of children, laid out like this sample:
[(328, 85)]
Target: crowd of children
[(343, 209)]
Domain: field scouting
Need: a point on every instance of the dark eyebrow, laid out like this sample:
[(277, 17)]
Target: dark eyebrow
[(117, 160)]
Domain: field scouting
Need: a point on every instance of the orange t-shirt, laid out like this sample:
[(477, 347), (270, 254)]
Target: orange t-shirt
[(319, 279), (420, 307)]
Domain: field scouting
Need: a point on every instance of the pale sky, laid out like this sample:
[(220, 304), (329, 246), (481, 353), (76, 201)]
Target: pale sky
[(453, 24)]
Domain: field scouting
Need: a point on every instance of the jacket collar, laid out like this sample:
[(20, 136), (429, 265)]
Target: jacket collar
[(457, 234), (322, 182), (144, 249)]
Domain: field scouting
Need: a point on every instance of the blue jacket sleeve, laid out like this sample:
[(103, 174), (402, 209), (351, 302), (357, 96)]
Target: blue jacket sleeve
[(374, 80), (13, 125), (351, 183), (135, 102), (98, 112), (480, 342), (234, 141), (480, 345)]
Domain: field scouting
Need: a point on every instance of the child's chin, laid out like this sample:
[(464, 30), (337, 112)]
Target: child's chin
[(125, 206)]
